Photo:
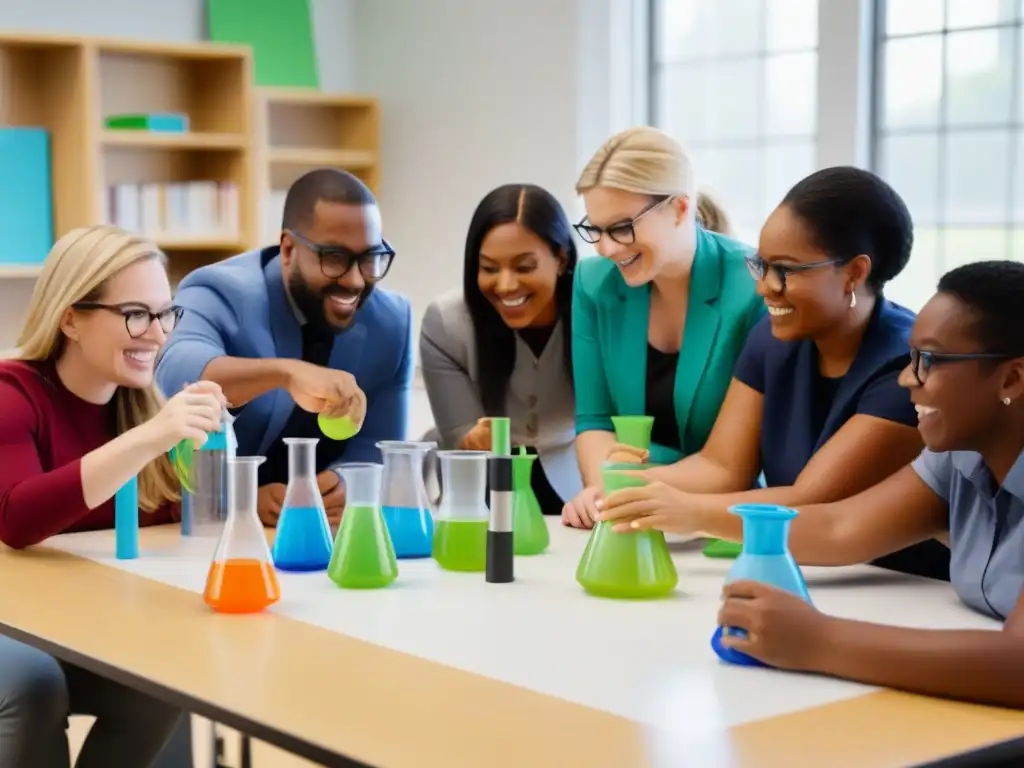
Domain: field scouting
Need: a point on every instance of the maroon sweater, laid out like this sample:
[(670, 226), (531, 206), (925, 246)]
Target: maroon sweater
[(45, 431)]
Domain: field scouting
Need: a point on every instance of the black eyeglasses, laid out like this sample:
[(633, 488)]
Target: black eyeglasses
[(775, 274), (336, 261), (623, 233), (137, 320), (922, 360)]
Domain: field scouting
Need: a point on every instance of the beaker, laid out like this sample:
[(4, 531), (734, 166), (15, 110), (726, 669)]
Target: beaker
[(764, 557), (633, 564), (460, 532), (404, 497), (241, 577), (363, 557), (634, 430), (203, 476), (303, 539), (530, 529)]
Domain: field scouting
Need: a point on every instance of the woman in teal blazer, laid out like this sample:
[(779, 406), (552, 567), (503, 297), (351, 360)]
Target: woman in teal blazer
[(659, 322)]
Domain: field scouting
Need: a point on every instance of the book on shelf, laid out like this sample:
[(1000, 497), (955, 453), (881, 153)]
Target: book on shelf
[(175, 211)]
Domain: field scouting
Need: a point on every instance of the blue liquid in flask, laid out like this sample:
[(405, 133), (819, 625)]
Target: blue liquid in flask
[(303, 541), (411, 530), (765, 558)]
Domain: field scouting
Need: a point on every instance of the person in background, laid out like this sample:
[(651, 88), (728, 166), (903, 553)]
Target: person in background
[(658, 321), (815, 403), (302, 329), (80, 416), (712, 216), (501, 345), (966, 380)]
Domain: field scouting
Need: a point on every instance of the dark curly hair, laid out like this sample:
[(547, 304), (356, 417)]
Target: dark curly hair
[(992, 292), (850, 211)]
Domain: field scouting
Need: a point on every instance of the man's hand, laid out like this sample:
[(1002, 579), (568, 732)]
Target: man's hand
[(478, 438), (333, 491), (270, 499), (327, 391)]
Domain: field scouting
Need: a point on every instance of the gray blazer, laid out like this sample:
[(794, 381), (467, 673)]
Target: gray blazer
[(540, 404)]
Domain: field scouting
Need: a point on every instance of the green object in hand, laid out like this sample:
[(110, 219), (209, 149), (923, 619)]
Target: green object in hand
[(181, 459), (337, 427)]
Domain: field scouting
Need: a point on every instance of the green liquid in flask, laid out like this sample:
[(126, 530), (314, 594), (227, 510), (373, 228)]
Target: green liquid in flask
[(363, 556), (530, 529), (630, 565), (461, 545)]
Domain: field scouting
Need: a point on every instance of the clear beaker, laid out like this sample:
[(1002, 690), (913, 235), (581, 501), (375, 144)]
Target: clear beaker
[(460, 531), (364, 557), (303, 539), (634, 564), (241, 577), (404, 499), (204, 489), (530, 529), (764, 557)]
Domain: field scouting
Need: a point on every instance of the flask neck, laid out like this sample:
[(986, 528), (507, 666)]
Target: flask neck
[(765, 537), (243, 485), (522, 471), (301, 460)]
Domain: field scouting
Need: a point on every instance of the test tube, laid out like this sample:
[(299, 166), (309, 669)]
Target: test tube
[(126, 520), (500, 539)]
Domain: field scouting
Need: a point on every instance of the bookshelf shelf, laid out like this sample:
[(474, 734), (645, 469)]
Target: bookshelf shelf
[(189, 140)]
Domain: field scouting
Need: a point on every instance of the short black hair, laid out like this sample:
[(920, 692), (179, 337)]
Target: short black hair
[(537, 210), (992, 292), (850, 211), (332, 185)]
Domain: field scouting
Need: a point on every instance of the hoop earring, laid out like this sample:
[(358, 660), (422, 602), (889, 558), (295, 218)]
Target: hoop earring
[(853, 300), (1006, 401)]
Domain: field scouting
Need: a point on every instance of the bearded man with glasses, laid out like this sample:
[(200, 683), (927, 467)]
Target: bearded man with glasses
[(301, 329)]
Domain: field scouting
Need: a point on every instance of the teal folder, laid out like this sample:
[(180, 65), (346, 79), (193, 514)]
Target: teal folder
[(26, 200)]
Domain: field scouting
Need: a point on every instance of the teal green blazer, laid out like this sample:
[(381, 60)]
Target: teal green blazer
[(609, 341)]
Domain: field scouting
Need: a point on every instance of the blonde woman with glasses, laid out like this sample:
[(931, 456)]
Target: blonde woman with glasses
[(80, 415), (659, 321)]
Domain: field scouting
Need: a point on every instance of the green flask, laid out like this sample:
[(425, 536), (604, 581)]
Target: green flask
[(529, 528)]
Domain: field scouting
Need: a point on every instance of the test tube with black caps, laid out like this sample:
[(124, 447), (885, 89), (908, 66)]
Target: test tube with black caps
[(500, 546)]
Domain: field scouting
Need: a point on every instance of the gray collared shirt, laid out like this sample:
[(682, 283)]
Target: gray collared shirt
[(986, 527)]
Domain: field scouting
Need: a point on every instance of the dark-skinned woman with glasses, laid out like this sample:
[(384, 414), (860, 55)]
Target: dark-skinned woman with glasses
[(814, 403), (81, 415), (966, 488), (659, 321)]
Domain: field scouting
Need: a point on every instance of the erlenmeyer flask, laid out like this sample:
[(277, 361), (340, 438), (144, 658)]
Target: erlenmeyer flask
[(364, 557), (764, 557), (204, 489), (241, 577), (634, 564), (529, 528), (460, 533), (303, 539), (404, 497)]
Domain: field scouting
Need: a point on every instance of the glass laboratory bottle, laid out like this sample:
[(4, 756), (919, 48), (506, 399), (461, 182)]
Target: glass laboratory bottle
[(363, 557), (303, 538), (529, 528), (241, 577), (633, 564), (460, 532), (203, 476), (405, 503), (764, 557)]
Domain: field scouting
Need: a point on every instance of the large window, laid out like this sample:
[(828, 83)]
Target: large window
[(736, 82), (949, 111)]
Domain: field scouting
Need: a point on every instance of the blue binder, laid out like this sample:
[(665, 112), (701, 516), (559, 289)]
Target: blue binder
[(26, 200)]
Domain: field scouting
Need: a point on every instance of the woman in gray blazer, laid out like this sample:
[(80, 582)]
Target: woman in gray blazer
[(500, 345)]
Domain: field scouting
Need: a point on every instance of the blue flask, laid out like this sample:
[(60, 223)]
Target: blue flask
[(765, 558)]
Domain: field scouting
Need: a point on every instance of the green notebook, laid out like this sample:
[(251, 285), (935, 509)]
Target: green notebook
[(280, 33)]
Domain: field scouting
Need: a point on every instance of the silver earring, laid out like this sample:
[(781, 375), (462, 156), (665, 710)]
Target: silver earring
[(1006, 401), (853, 300)]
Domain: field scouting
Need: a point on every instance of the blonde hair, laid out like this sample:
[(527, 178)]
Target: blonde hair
[(77, 268), (643, 160), (712, 215)]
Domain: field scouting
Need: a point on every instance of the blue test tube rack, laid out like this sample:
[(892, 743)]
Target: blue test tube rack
[(126, 520)]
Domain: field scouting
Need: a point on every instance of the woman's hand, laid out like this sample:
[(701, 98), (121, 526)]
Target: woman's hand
[(620, 453), (580, 511), (190, 415), (478, 438), (654, 505), (783, 630)]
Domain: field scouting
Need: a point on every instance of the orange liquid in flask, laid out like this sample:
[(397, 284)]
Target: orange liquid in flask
[(241, 585)]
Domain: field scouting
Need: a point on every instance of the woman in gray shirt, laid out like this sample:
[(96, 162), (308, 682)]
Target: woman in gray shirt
[(500, 345), (966, 378)]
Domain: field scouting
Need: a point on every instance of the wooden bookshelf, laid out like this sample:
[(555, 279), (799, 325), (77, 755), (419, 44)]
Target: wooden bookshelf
[(302, 129)]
